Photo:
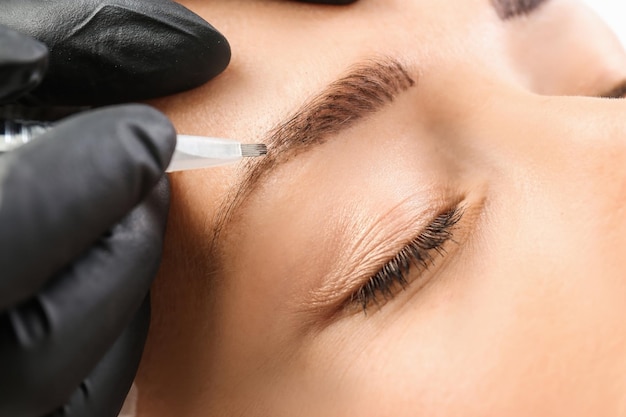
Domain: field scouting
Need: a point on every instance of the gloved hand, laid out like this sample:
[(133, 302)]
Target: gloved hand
[(75, 265), (81, 221), (112, 51)]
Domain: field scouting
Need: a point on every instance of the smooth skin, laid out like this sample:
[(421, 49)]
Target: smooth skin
[(523, 314)]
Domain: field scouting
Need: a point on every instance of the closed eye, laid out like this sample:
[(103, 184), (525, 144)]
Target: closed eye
[(413, 259)]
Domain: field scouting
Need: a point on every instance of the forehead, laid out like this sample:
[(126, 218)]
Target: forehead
[(285, 52)]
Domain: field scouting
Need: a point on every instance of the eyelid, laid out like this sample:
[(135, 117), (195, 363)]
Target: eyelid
[(370, 251), (409, 264)]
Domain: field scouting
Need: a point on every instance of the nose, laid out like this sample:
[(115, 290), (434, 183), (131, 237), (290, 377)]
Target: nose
[(576, 142), (556, 160)]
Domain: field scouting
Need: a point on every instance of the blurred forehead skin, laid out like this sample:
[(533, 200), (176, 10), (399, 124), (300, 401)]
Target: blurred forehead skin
[(296, 49)]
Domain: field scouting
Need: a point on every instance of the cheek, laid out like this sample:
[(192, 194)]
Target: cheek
[(502, 345)]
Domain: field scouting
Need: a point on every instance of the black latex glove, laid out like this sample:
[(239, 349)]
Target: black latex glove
[(71, 283), (81, 222), (75, 266), (112, 51)]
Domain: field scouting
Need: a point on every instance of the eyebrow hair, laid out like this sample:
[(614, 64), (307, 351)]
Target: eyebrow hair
[(365, 89), (508, 9)]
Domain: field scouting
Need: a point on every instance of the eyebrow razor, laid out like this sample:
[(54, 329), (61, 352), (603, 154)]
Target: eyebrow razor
[(192, 152)]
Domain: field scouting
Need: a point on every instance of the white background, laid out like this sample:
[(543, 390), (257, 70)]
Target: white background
[(614, 12)]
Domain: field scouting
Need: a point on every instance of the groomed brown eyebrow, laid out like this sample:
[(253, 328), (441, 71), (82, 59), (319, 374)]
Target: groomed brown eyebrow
[(508, 9), (365, 89)]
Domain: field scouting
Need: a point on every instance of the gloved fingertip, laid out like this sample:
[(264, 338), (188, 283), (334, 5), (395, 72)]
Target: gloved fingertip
[(153, 130), (133, 137), (23, 63), (159, 201)]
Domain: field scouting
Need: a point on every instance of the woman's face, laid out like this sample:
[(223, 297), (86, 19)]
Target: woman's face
[(439, 228)]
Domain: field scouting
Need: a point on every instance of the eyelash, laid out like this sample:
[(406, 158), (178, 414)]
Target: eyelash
[(419, 253)]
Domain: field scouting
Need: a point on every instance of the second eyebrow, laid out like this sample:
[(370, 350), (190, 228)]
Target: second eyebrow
[(508, 9)]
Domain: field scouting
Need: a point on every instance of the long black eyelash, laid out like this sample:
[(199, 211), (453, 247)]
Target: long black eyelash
[(419, 253)]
